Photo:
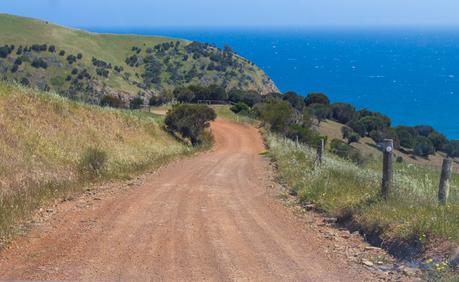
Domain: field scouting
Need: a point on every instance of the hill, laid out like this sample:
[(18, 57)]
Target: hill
[(87, 66), (50, 146)]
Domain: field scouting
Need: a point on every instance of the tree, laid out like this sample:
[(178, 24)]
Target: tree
[(216, 92), (294, 100), (190, 121), (343, 113), (278, 114), (372, 123), (424, 130), (438, 140), (407, 136), (184, 95), (423, 147), (316, 98), (357, 127), (320, 111), (346, 131)]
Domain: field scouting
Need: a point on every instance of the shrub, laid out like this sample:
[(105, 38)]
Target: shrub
[(304, 135), (111, 101), (24, 81), (184, 95), (240, 107), (18, 61), (346, 151), (423, 147), (190, 121), (14, 68), (372, 123), (39, 63), (52, 48), (357, 126), (407, 136), (79, 56), (343, 113), (353, 138), (71, 59), (278, 114), (156, 101), (399, 159), (136, 103), (316, 98), (296, 101), (93, 162), (62, 53), (5, 51), (320, 111)]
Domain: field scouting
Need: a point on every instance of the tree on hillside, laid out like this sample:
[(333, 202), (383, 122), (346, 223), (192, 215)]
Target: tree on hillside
[(423, 147), (343, 113), (316, 98), (278, 114), (184, 95), (296, 101), (190, 121), (320, 111)]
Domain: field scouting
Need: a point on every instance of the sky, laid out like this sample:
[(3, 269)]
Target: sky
[(238, 13)]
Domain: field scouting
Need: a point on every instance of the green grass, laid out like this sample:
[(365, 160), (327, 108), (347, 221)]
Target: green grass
[(344, 189), (46, 140)]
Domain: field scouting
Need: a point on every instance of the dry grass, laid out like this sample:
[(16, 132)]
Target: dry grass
[(44, 138), (345, 190)]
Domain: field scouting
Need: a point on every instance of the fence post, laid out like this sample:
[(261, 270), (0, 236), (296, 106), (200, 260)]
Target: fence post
[(388, 148), (320, 151), (443, 189)]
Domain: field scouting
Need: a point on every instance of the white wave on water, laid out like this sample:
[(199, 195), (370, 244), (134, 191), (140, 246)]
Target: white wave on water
[(376, 76)]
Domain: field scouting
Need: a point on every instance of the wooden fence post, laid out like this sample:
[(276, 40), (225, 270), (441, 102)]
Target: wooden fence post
[(320, 151), (388, 148), (443, 190)]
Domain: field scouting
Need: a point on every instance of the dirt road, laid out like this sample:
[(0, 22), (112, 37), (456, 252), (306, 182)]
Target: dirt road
[(208, 217)]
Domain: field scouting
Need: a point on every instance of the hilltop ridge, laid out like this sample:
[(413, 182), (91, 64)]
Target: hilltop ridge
[(88, 66)]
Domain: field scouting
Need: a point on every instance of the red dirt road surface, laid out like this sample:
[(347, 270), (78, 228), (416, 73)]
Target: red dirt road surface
[(209, 217)]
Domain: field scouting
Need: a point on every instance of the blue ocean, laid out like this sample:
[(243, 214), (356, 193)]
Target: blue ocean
[(410, 75)]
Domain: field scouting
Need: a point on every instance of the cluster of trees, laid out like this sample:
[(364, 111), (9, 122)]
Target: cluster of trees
[(421, 140), (39, 63), (6, 50)]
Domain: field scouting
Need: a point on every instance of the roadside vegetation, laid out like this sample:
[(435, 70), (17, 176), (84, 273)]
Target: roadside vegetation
[(190, 122), (51, 146)]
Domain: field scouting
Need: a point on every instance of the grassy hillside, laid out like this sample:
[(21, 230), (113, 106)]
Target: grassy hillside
[(119, 65), (50, 145), (409, 223)]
